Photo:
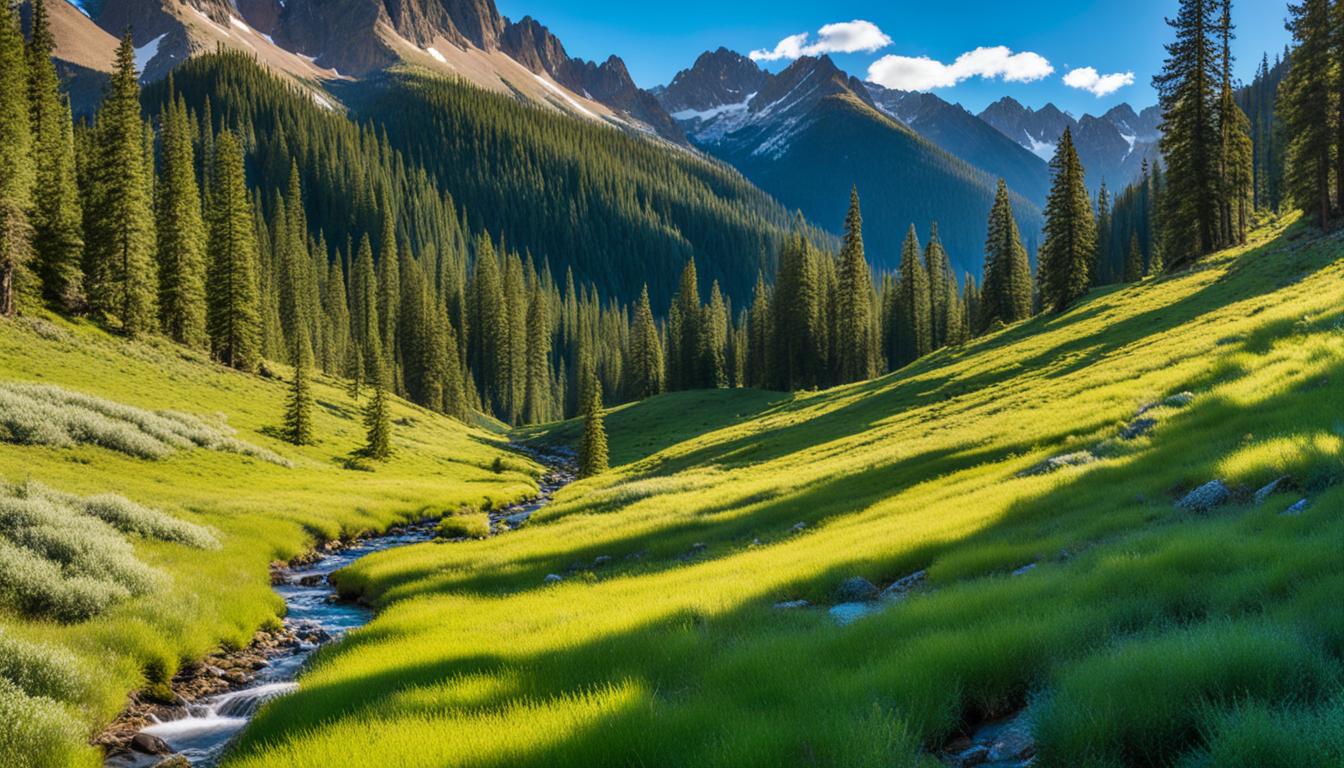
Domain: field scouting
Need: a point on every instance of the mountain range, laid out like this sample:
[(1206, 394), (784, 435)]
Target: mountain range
[(805, 135)]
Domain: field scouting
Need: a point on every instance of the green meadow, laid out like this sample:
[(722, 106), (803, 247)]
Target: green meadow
[(1134, 631), (70, 679)]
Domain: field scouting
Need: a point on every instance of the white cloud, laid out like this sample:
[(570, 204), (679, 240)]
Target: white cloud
[(1088, 79), (842, 37), (921, 73)]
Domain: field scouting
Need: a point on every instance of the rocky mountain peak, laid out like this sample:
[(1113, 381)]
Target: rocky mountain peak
[(717, 78)]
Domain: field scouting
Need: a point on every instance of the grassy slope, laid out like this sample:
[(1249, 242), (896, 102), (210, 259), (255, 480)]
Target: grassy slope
[(263, 511), (1140, 627)]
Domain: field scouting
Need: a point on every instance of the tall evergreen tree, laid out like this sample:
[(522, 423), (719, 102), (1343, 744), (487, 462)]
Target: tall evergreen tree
[(1134, 262), (232, 306), (686, 345), (366, 330), (1188, 95), (913, 336), (593, 443), (854, 319), (1101, 259), (1305, 100), (760, 373), (942, 291), (1070, 232), (537, 406), (1005, 296), (378, 418), (181, 233), (119, 247), (1236, 153), (646, 354), (795, 348), (715, 335), (57, 217), (299, 405), (16, 161)]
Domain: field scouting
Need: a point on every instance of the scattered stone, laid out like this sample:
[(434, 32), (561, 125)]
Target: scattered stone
[(1056, 463), (176, 761), (1028, 568), (1205, 497), (1003, 743), (312, 580), (601, 560), (902, 587), (698, 548), (798, 527), (1138, 428), (788, 605), (856, 589), (1297, 508), (553, 578), (1179, 400), (150, 745), (1264, 493), (845, 614)]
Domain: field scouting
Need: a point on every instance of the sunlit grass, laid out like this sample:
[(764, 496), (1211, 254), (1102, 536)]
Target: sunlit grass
[(245, 508), (672, 560)]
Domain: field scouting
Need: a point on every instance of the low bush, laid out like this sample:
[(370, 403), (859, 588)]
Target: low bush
[(41, 670), (127, 516), (39, 414), (37, 732), (472, 525)]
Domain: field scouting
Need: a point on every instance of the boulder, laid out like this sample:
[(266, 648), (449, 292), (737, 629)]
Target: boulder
[(1138, 428), (176, 761), (1055, 463), (149, 744), (856, 589), (902, 587), (1269, 490), (601, 560), (798, 527), (1205, 497), (1297, 508), (1179, 400), (553, 578)]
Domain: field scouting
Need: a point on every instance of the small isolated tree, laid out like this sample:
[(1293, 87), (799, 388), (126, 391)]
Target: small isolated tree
[(299, 407), (378, 420), (593, 444), (354, 369), (1134, 263)]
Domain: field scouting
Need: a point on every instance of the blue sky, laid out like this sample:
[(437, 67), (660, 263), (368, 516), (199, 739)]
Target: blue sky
[(659, 37)]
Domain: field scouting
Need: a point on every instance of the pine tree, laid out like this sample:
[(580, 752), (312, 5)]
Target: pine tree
[(913, 335), (232, 305), (794, 355), (299, 406), (1134, 263), (57, 217), (1188, 95), (389, 291), (646, 353), (1101, 259), (1304, 104), (593, 443), (122, 284), (685, 350), (16, 161), (942, 291), (378, 418), (1337, 24), (854, 305), (1236, 153), (760, 324), (1005, 296), (181, 233), (1070, 232), (715, 336), (365, 329), (537, 406)]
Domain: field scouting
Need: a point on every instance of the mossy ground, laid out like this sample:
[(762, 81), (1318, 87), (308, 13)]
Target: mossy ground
[(262, 512), (1144, 635)]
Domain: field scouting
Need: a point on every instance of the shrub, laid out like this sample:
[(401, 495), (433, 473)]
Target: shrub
[(39, 414), (474, 525), (37, 732), (41, 670), (127, 516)]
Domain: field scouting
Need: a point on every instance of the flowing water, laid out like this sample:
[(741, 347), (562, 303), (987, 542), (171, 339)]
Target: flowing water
[(207, 726)]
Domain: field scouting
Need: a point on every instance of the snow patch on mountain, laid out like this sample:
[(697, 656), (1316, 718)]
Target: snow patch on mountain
[(146, 53), (434, 53), (558, 91), (1042, 149)]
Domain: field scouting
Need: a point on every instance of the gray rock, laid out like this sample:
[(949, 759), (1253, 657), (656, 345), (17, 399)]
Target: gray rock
[(1138, 428), (1297, 508), (553, 578), (176, 761), (1179, 400), (1264, 493), (902, 587), (148, 744), (848, 613), (1205, 497), (601, 560), (856, 589), (789, 605), (798, 527), (1028, 568), (1056, 463)]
